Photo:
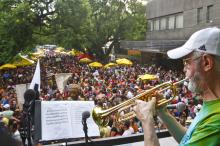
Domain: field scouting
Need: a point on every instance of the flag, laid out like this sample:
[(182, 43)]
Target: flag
[(35, 83)]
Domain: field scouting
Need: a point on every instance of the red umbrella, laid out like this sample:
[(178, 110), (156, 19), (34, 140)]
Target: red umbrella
[(84, 56)]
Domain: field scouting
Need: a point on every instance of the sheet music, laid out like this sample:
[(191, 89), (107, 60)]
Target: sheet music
[(56, 120), (77, 108), (63, 119)]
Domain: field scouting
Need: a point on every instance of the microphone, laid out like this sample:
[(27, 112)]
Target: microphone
[(29, 96), (29, 101), (180, 106), (28, 117), (85, 115)]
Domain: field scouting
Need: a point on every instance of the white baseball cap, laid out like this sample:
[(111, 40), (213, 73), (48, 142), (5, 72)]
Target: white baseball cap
[(206, 40)]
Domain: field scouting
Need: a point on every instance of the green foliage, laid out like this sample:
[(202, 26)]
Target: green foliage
[(15, 28), (93, 23), (69, 23), (116, 20), (72, 23)]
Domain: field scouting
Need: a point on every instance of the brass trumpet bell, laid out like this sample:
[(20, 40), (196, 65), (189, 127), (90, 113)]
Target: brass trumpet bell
[(97, 114)]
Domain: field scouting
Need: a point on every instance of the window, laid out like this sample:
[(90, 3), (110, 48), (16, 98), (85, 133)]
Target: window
[(199, 15), (156, 24), (163, 23), (179, 21), (171, 22), (166, 22), (150, 25), (209, 14)]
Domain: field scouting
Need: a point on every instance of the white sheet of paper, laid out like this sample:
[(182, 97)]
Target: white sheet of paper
[(77, 108), (56, 120), (63, 119)]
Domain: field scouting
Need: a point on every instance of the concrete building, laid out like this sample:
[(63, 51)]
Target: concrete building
[(171, 22)]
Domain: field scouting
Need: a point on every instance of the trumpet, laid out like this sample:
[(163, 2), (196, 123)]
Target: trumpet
[(101, 117)]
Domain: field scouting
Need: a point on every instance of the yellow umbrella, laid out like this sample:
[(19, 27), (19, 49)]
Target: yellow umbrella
[(123, 61), (33, 58), (148, 77), (110, 65), (95, 64), (85, 60), (7, 66), (75, 52), (22, 61), (59, 49), (36, 55)]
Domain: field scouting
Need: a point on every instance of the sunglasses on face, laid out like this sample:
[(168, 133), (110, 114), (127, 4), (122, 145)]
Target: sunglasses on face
[(187, 61)]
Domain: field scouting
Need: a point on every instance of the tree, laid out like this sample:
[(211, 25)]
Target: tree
[(72, 23), (116, 20), (76, 24), (93, 23), (19, 21), (15, 31)]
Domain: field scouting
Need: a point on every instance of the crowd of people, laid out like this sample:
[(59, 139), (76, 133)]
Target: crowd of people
[(106, 87)]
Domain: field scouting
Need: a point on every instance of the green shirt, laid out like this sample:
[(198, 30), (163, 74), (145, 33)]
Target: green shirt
[(205, 128)]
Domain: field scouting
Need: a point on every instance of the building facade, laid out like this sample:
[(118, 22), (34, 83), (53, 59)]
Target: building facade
[(171, 22)]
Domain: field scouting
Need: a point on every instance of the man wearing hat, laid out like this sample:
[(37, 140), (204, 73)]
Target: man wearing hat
[(201, 58), (7, 112), (74, 92)]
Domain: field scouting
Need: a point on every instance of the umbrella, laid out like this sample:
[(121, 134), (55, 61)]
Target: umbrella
[(81, 56), (37, 53), (8, 66), (85, 60), (148, 77), (75, 52), (22, 61), (95, 64), (123, 61), (59, 49), (110, 65)]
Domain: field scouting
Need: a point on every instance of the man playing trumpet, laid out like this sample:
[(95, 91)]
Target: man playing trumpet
[(201, 57)]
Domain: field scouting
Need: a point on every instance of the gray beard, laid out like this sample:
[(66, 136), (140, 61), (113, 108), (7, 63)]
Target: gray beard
[(193, 84)]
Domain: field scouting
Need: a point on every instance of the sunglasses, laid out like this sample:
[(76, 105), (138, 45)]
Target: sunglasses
[(187, 61)]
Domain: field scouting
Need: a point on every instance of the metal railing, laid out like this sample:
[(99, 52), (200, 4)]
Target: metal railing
[(110, 141)]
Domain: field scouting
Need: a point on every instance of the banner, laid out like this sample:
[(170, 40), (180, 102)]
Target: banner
[(61, 80), (134, 53), (20, 89)]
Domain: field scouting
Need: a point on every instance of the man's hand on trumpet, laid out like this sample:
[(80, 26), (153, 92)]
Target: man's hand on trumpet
[(145, 112), (145, 109)]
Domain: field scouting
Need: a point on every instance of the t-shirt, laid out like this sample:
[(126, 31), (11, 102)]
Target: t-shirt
[(205, 128), (6, 114), (127, 132)]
